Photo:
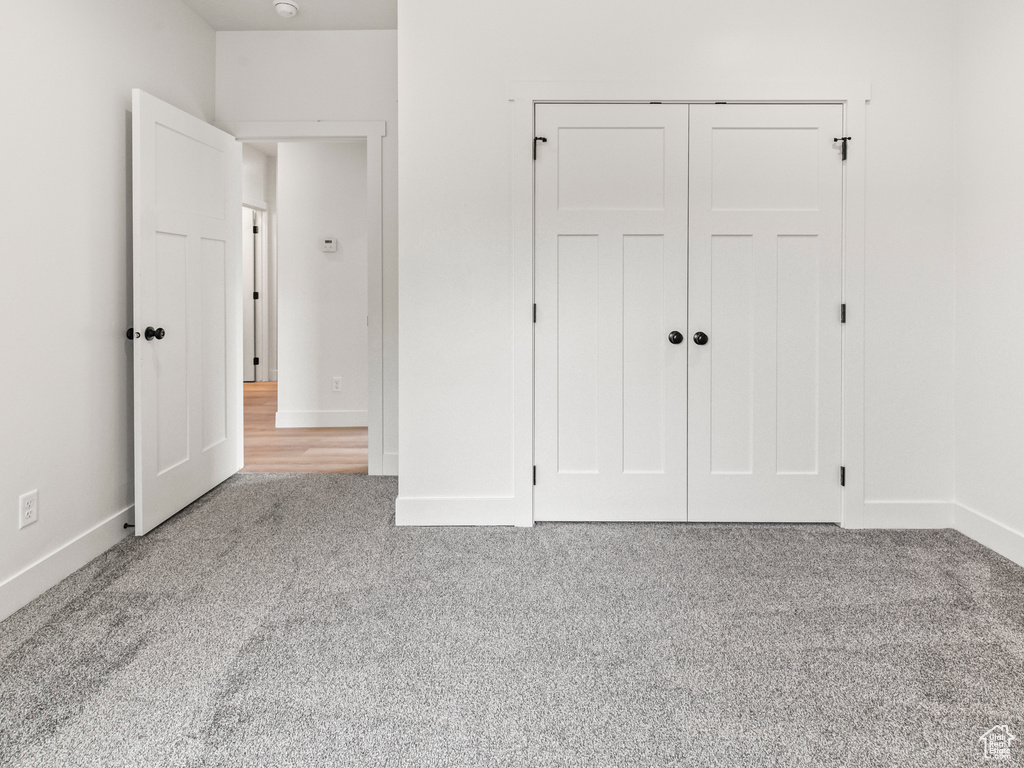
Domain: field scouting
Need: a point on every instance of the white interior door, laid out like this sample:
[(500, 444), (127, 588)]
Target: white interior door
[(766, 287), (248, 294), (610, 282), (186, 194)]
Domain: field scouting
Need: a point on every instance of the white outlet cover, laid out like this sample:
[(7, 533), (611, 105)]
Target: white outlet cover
[(336, 384), (28, 508)]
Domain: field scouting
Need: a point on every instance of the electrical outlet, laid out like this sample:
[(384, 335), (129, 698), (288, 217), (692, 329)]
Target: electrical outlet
[(336, 386), (28, 508)]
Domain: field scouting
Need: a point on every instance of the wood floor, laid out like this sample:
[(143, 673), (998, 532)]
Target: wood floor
[(268, 449)]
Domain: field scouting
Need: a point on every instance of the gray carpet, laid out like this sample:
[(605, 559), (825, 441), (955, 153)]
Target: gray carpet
[(282, 620)]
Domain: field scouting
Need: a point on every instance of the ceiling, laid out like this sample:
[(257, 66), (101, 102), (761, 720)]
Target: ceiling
[(251, 15)]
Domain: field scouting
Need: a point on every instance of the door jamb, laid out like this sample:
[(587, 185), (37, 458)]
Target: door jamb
[(854, 98), (373, 132)]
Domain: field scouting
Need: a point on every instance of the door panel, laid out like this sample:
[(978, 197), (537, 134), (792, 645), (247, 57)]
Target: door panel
[(610, 287), (186, 194), (765, 268)]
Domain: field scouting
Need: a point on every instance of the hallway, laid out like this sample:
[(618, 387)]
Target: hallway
[(268, 449)]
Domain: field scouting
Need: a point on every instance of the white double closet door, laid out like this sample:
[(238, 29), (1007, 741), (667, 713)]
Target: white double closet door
[(659, 222)]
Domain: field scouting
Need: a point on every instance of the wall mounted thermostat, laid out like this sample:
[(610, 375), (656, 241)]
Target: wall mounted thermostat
[(328, 245)]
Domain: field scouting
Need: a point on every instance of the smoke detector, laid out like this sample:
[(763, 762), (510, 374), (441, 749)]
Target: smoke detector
[(286, 8)]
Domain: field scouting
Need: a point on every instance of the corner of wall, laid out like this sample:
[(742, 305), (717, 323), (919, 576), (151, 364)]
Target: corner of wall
[(22, 588), (996, 536)]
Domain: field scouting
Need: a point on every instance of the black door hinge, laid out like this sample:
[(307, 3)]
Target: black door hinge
[(535, 313), (255, 361), (535, 140), (842, 313), (255, 294), (255, 230), (534, 474), (842, 476), (843, 139)]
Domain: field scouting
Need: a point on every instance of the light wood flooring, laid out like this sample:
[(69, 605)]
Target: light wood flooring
[(268, 449)]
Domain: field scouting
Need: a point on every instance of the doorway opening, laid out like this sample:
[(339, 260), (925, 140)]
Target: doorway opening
[(305, 355)]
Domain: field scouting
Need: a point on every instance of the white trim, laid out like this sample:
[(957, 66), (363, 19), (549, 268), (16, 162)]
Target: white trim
[(257, 205), (390, 464), (455, 511), (990, 533), (307, 419), (326, 130), (372, 131), (754, 91), (908, 514), (853, 96), (25, 586)]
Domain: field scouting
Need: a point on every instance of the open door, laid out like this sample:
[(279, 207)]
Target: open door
[(186, 195)]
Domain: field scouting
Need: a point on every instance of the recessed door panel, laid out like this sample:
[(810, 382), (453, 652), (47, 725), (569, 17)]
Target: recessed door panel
[(215, 324), (579, 353), (732, 364), (643, 354), (611, 169), (764, 168), (798, 301), (171, 366)]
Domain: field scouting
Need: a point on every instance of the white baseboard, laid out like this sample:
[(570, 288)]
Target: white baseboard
[(302, 419), (908, 514), (455, 511), (990, 533), (390, 464), (24, 587)]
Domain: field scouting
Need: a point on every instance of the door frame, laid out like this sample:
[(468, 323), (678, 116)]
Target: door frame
[(261, 325), (373, 133), (853, 96)]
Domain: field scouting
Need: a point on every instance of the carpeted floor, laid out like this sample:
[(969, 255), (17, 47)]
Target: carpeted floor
[(282, 620)]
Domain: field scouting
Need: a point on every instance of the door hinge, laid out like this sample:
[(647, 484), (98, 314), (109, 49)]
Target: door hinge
[(842, 313), (843, 139), (255, 361), (535, 313), (535, 140), (255, 229), (842, 476), (534, 474), (255, 294)]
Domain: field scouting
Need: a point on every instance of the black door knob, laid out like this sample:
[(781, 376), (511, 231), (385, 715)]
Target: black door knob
[(675, 337), (700, 338), (154, 333)]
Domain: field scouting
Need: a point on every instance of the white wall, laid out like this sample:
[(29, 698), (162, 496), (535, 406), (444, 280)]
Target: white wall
[(456, 60), (990, 272), (322, 299), (263, 76), (66, 73)]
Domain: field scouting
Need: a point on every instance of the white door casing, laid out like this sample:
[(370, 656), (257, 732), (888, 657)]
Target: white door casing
[(765, 267), (186, 195), (610, 282)]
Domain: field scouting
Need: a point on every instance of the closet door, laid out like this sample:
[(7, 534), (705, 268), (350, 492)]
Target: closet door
[(610, 279), (765, 270)]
